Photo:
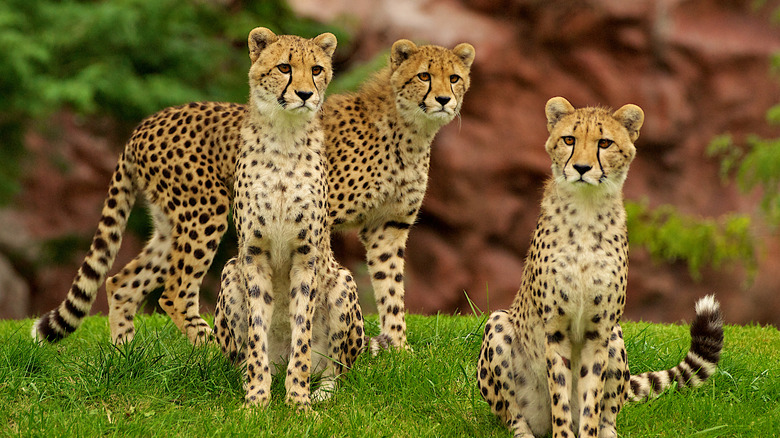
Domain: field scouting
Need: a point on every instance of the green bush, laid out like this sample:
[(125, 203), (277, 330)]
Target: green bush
[(757, 166), (699, 242), (123, 58)]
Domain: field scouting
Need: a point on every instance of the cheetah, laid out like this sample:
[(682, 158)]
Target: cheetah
[(556, 361), (379, 149), (284, 296), (182, 161)]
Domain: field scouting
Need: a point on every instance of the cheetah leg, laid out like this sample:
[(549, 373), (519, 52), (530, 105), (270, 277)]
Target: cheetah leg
[(615, 384), (230, 317), (590, 387), (498, 377), (385, 258), (353, 325), (344, 327), (194, 250), (303, 291), (257, 275), (129, 287), (558, 350)]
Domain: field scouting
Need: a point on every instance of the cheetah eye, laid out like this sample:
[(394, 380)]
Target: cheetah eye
[(316, 70), (454, 79), (568, 139), (424, 76), (284, 68), (604, 143)]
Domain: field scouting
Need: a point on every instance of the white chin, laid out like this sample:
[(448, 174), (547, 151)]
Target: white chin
[(576, 181), (440, 115)]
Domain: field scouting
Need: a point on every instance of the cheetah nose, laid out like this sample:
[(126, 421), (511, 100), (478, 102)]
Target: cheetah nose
[(304, 95), (443, 100), (582, 168)]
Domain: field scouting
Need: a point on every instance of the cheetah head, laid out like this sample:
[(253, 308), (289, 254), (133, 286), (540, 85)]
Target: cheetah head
[(429, 82), (591, 147), (289, 74)]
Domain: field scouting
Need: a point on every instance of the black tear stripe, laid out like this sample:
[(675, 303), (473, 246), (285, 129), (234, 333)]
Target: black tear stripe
[(598, 158), (422, 102), (281, 99), (563, 169)]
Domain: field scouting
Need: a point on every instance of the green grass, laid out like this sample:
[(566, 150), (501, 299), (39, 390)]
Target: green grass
[(159, 385)]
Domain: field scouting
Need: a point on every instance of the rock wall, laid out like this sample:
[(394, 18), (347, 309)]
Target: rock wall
[(698, 68)]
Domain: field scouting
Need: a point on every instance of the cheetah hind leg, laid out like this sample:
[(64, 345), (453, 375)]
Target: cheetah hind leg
[(127, 289), (230, 314), (346, 339), (194, 245), (496, 377), (615, 384)]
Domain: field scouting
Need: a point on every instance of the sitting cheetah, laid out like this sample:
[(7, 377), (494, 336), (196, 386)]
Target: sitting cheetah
[(182, 160), (284, 295), (556, 360)]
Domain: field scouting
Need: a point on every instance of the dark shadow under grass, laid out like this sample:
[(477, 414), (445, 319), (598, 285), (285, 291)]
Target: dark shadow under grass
[(160, 385)]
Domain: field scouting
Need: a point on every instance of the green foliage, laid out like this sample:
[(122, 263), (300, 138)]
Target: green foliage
[(350, 80), (756, 164), (671, 236), (126, 58), (755, 167), (160, 384)]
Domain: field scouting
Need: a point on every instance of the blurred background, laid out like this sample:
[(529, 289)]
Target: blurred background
[(702, 195)]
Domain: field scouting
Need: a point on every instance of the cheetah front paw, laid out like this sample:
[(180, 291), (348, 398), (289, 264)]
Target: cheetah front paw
[(200, 333), (608, 432), (384, 342), (325, 390), (252, 401), (301, 402)]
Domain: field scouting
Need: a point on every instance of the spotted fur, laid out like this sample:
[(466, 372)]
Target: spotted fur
[(172, 160), (182, 161), (699, 364), (379, 149), (556, 360), (284, 297)]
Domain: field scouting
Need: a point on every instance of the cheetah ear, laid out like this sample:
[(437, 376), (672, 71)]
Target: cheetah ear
[(632, 117), (327, 42), (556, 109), (401, 51), (259, 39), (466, 53)]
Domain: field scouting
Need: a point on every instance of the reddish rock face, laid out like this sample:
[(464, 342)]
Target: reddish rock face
[(697, 68)]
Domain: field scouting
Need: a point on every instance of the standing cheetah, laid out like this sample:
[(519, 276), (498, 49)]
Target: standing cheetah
[(284, 296), (182, 161), (379, 149), (556, 360)]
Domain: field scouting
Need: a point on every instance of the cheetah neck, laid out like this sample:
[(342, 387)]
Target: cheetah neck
[(589, 200), (412, 137), (418, 124), (279, 130)]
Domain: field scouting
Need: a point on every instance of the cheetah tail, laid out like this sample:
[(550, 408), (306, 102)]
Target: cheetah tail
[(700, 362), (65, 319)]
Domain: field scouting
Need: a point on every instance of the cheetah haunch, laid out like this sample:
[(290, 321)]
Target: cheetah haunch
[(182, 160), (556, 360)]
